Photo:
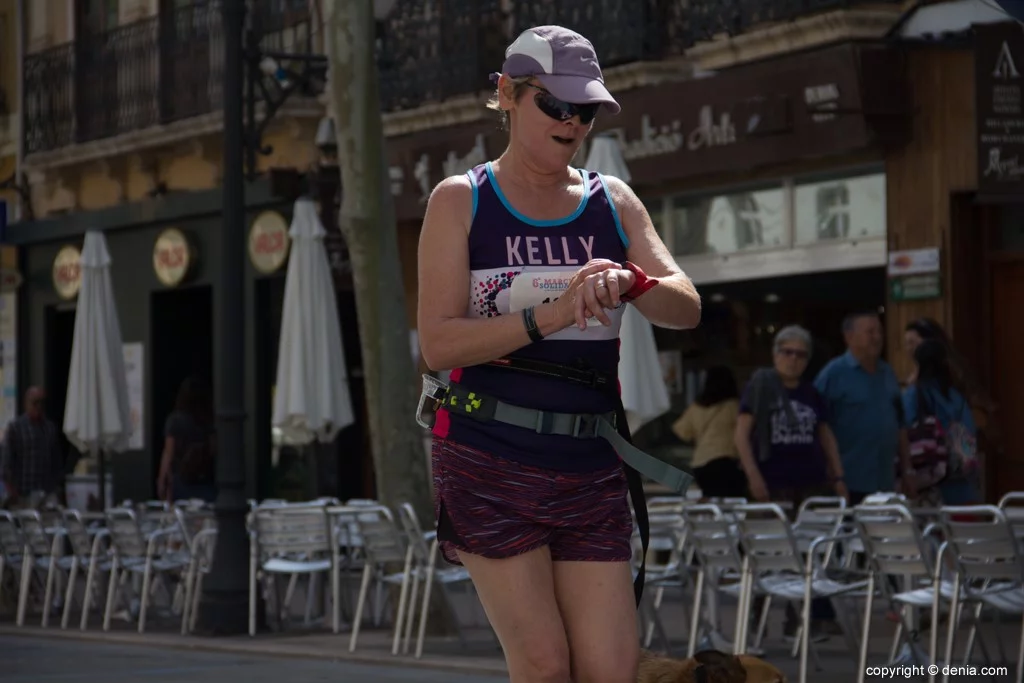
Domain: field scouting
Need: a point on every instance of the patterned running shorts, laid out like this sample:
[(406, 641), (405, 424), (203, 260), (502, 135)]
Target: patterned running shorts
[(496, 508)]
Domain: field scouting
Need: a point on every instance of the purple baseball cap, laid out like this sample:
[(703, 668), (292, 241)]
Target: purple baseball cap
[(563, 61)]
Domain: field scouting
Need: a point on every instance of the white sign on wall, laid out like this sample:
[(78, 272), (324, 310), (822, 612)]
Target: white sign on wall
[(134, 371)]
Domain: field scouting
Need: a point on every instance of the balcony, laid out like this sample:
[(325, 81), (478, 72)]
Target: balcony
[(433, 50), (148, 75)]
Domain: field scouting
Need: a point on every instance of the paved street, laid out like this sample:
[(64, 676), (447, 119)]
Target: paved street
[(26, 660)]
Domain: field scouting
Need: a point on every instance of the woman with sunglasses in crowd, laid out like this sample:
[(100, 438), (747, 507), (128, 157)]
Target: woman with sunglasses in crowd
[(530, 259)]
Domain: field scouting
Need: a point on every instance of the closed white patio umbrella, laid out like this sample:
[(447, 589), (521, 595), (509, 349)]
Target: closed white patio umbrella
[(311, 399), (644, 394), (97, 416)]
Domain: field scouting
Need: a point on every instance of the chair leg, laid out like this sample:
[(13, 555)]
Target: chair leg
[(762, 622), (695, 617), (865, 633), (51, 576), (360, 604), (805, 630), (1020, 655), (933, 637), (87, 597), (112, 591), (411, 616), (197, 593), (336, 597), (253, 585), (403, 596), (69, 594), (429, 581), (147, 579), (186, 602), (27, 564), (954, 620)]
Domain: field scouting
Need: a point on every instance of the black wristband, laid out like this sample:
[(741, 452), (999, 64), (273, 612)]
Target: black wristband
[(530, 322)]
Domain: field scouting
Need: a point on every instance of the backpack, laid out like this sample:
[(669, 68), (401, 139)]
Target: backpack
[(929, 447), (197, 464), (962, 447)]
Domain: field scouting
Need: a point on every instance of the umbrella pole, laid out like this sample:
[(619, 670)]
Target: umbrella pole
[(101, 472), (309, 451)]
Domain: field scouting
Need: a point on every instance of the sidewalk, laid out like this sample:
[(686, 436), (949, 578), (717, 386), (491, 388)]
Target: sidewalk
[(482, 656)]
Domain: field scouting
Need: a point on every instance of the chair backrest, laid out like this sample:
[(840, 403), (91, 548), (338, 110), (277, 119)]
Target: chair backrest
[(1012, 505), (193, 520), (34, 532), (410, 522), (767, 539), (381, 539), (893, 542), (292, 530), (11, 541), (981, 543), (712, 536), (126, 534), (78, 534)]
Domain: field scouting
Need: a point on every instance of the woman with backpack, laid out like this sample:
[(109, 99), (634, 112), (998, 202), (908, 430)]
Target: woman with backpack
[(187, 463), (933, 394)]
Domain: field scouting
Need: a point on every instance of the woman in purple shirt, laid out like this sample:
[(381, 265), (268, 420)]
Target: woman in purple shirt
[(529, 259)]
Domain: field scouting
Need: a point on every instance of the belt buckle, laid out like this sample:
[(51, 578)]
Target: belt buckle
[(585, 426)]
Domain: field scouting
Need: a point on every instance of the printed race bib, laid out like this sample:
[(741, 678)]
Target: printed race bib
[(540, 287)]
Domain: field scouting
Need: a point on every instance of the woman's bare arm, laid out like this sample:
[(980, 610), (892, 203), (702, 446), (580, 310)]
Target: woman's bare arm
[(449, 339), (674, 303)]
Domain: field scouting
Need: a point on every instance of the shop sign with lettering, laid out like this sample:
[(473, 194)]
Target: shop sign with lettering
[(172, 257), (67, 272), (268, 242), (739, 119), (999, 59)]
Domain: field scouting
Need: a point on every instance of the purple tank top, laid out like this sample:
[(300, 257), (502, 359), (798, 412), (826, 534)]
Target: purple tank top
[(516, 262)]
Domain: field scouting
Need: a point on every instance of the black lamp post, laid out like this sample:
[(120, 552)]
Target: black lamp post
[(251, 75), (224, 608)]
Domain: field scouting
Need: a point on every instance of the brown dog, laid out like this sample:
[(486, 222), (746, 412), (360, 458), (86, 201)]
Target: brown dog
[(709, 666)]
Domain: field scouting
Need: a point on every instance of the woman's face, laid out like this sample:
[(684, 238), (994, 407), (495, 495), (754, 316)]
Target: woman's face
[(551, 144), (791, 358), (911, 340)]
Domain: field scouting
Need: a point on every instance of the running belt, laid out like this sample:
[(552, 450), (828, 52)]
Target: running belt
[(611, 426)]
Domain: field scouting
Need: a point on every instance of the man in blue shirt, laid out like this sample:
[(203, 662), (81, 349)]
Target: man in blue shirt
[(864, 402)]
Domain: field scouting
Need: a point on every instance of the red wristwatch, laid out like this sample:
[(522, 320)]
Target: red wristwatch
[(642, 285)]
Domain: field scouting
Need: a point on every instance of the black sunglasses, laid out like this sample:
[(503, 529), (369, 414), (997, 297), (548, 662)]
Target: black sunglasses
[(563, 111)]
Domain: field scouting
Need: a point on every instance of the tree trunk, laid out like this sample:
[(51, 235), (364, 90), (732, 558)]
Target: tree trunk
[(367, 221)]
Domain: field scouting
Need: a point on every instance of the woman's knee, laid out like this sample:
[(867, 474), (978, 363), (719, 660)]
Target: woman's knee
[(540, 660)]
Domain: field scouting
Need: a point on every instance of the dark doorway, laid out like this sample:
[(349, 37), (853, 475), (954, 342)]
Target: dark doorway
[(271, 481), (60, 336), (182, 341)]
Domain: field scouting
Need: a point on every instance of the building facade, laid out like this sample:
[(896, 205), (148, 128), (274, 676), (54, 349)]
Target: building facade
[(791, 155)]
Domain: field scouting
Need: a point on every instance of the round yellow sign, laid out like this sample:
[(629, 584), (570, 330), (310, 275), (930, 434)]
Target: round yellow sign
[(268, 242), (172, 257), (67, 272)]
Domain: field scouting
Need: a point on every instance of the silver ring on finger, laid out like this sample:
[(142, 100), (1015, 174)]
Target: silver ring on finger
[(600, 283)]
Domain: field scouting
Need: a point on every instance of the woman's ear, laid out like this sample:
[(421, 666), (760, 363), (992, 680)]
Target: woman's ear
[(506, 93)]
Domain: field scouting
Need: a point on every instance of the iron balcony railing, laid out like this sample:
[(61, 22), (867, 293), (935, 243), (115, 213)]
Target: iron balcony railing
[(711, 18), (155, 71)]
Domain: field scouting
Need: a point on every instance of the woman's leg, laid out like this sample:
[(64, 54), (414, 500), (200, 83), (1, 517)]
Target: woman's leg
[(599, 611), (518, 595)]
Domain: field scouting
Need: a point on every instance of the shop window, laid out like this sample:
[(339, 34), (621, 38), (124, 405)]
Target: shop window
[(840, 209), (726, 224)]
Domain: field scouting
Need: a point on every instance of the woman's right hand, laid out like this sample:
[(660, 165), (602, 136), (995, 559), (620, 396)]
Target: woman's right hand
[(581, 299)]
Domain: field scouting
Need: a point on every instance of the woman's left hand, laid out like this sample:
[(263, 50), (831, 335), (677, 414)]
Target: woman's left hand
[(604, 289)]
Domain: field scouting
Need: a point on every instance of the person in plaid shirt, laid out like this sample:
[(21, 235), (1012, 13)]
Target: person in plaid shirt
[(33, 464)]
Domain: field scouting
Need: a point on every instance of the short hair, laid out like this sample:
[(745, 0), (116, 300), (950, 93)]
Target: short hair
[(793, 333), (852, 318)]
